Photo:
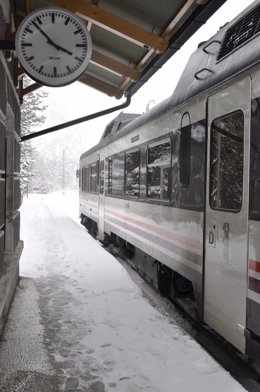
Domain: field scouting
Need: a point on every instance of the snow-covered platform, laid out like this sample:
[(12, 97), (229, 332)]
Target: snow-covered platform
[(80, 323)]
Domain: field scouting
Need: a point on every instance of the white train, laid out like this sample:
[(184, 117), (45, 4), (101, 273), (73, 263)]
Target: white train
[(179, 186)]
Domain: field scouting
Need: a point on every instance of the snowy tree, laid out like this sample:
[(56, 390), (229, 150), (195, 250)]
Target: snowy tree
[(32, 115), (56, 170)]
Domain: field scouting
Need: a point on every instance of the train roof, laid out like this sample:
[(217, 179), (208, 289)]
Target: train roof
[(232, 50), (118, 123)]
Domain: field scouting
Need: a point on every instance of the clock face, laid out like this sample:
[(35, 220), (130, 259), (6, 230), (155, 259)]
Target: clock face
[(53, 46)]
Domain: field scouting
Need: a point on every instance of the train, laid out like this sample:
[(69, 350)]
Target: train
[(178, 187)]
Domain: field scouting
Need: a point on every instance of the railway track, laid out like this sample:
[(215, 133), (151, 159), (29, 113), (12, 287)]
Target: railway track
[(247, 374)]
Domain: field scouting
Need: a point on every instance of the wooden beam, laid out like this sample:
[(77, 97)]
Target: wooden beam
[(17, 19), (179, 16), (19, 71), (117, 25), (114, 66), (164, 34), (26, 90), (168, 29), (28, 6), (20, 89), (9, 36), (31, 88), (97, 84), (202, 2)]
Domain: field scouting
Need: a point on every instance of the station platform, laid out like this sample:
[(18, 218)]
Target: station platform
[(79, 323)]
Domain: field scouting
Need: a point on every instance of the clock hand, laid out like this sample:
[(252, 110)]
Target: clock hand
[(58, 47), (50, 41)]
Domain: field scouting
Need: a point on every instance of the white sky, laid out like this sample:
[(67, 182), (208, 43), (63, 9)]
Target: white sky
[(78, 100)]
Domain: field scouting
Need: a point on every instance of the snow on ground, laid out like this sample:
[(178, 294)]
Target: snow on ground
[(100, 332)]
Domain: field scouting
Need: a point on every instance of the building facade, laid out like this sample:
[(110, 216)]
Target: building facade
[(10, 195)]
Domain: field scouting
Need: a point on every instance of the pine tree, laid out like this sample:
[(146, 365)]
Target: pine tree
[(32, 115)]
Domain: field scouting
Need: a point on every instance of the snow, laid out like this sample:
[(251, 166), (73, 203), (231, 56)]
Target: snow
[(101, 333)]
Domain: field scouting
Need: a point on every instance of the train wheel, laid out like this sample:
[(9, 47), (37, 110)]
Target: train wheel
[(165, 281), (182, 285)]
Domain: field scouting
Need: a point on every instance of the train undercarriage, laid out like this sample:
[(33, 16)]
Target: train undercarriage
[(167, 282)]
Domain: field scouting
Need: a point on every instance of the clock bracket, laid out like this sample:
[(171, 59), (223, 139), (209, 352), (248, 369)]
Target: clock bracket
[(6, 44)]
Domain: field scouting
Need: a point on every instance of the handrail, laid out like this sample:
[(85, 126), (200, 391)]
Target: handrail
[(210, 43), (200, 71)]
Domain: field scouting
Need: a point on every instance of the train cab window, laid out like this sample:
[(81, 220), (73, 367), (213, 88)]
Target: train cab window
[(159, 170), (185, 150), (226, 162), (132, 173), (94, 171), (117, 174)]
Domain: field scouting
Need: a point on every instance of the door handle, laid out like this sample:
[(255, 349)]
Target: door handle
[(212, 237)]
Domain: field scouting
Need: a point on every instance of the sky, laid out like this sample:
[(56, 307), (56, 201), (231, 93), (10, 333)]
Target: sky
[(86, 314), (78, 100)]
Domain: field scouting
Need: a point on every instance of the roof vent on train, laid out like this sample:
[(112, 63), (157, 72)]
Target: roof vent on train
[(245, 29), (118, 123)]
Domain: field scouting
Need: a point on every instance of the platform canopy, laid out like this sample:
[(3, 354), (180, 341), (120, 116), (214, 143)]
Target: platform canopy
[(132, 39)]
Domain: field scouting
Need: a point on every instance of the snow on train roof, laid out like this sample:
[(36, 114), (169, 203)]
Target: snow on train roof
[(233, 49)]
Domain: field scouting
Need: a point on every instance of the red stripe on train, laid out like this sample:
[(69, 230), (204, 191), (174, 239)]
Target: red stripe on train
[(254, 265), (155, 229), (169, 234)]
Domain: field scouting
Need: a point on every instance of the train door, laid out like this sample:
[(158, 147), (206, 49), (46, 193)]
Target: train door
[(226, 236), (101, 201)]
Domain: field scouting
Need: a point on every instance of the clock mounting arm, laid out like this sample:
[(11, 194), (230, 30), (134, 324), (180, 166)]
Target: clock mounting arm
[(7, 44)]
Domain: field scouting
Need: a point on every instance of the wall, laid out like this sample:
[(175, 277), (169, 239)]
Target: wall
[(10, 196)]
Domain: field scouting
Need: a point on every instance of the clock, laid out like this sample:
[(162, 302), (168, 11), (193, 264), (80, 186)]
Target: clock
[(53, 46)]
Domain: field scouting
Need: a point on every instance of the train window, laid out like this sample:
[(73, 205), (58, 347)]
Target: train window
[(94, 171), (132, 173), (79, 175), (87, 174), (226, 162), (85, 179), (109, 176), (101, 177), (158, 170), (185, 151), (117, 174)]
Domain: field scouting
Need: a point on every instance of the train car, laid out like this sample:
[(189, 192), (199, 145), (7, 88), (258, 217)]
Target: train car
[(179, 186)]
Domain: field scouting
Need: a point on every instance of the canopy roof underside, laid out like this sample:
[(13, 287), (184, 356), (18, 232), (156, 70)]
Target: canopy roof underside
[(131, 39)]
